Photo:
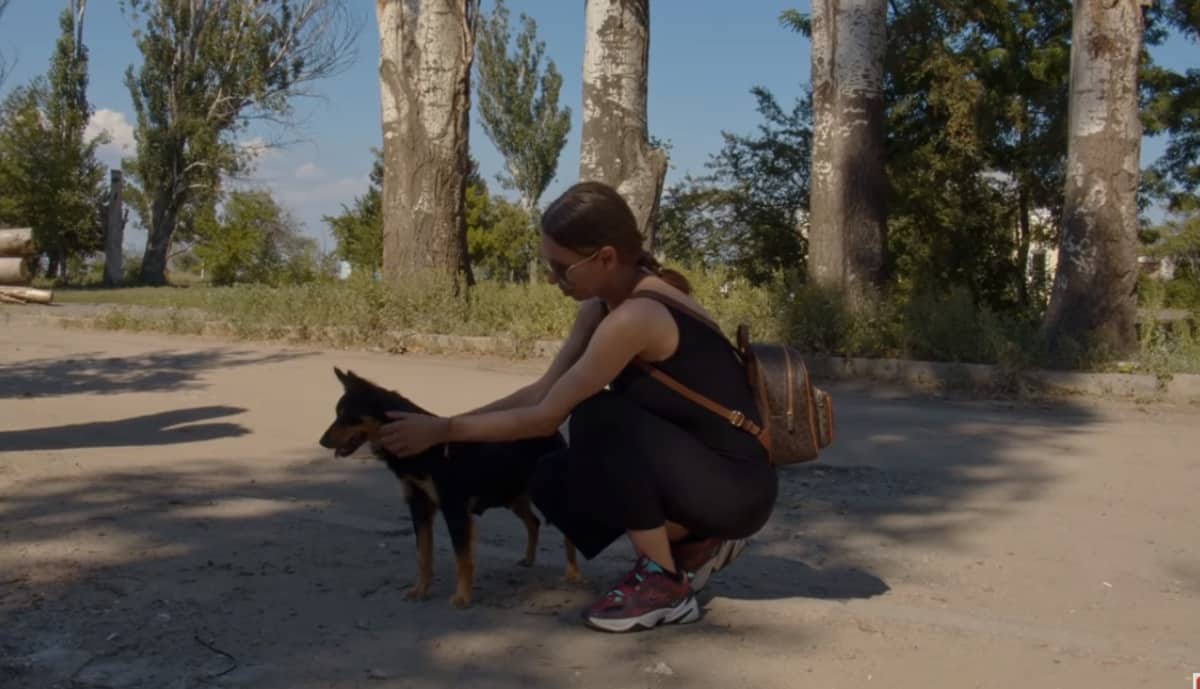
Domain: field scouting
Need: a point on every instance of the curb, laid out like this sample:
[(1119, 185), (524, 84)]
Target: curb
[(917, 376), (936, 376)]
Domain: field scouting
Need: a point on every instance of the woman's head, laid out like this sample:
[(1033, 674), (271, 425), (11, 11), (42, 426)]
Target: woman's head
[(590, 232)]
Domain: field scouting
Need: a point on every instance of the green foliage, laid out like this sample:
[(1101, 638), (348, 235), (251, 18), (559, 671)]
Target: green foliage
[(1171, 106), (499, 242), (50, 178), (209, 68), (745, 213), (518, 104), (359, 229), (255, 241)]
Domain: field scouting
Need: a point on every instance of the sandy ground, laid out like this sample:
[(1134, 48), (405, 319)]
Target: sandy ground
[(167, 520)]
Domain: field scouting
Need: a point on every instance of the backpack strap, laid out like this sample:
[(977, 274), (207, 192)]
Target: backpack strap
[(734, 417)]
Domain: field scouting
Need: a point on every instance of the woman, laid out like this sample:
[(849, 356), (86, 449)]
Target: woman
[(682, 483)]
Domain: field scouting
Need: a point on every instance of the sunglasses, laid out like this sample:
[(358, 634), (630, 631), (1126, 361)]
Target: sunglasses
[(560, 273)]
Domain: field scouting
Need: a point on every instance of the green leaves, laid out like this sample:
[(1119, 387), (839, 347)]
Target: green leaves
[(359, 229), (209, 68), (518, 104), (255, 241)]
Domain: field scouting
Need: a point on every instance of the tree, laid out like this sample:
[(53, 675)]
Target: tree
[(1093, 302), (847, 217), (615, 147), (1171, 105), (4, 66), (498, 237), (747, 212), (518, 106), (209, 68), (426, 49), (359, 229), (49, 175), (255, 240)]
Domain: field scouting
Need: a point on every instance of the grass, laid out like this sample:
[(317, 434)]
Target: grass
[(361, 313)]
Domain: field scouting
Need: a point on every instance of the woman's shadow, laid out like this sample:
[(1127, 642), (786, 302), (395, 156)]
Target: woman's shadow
[(160, 428), (768, 577)]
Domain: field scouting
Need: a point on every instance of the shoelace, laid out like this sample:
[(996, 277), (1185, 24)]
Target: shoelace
[(630, 582)]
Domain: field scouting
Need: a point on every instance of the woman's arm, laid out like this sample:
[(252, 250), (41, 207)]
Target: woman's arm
[(615, 342), (589, 315)]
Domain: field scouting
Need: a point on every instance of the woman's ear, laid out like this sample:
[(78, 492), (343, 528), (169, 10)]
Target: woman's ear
[(608, 256)]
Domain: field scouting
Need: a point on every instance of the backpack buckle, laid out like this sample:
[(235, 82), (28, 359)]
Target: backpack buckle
[(737, 418)]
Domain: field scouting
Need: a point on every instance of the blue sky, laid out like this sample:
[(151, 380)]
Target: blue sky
[(705, 55)]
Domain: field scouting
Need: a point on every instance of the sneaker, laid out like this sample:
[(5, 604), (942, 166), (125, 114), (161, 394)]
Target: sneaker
[(697, 559), (648, 596)]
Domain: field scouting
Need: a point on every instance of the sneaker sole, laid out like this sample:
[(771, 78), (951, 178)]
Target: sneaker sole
[(685, 613)]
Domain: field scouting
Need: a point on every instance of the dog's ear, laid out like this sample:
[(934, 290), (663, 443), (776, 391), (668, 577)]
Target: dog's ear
[(342, 376)]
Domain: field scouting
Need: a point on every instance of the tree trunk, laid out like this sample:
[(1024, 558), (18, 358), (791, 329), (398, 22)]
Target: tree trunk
[(615, 146), (158, 239), (14, 270), (1093, 303), (114, 232), (848, 217), (27, 294), (426, 49), (1024, 239), (17, 242)]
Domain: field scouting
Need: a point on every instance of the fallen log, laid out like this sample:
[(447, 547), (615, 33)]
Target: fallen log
[(14, 271), (37, 296), (5, 299), (16, 242)]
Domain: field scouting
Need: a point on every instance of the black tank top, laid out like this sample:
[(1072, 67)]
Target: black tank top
[(705, 362)]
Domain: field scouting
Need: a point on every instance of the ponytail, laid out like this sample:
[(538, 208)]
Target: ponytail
[(671, 277)]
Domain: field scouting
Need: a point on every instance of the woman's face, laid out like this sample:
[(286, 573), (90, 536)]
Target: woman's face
[(579, 276)]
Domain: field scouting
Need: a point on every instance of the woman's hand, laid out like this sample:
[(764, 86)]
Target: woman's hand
[(411, 434)]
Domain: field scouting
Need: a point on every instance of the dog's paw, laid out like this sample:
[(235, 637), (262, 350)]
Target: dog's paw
[(417, 593), (460, 601)]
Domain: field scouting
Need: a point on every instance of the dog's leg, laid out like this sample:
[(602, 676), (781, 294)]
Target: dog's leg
[(422, 510), (572, 574), (522, 508), (461, 525)]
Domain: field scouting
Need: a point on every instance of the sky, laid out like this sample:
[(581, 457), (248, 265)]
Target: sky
[(705, 55)]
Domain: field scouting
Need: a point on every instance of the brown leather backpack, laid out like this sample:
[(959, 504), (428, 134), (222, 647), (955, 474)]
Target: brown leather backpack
[(797, 416)]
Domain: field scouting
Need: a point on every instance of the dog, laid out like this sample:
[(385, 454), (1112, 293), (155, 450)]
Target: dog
[(462, 480)]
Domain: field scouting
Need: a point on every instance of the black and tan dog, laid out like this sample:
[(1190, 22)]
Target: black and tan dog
[(466, 479)]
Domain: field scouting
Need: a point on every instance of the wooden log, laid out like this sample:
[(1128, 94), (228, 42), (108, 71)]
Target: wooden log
[(14, 271), (16, 242), (37, 296), (5, 299)]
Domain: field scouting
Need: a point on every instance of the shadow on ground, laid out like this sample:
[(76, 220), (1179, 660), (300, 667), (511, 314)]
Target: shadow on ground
[(162, 428), (109, 375), (221, 574)]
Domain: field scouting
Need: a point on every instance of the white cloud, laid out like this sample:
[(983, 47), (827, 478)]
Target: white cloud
[(120, 135), (309, 170)]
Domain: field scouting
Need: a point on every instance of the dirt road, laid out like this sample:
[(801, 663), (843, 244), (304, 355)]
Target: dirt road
[(167, 520)]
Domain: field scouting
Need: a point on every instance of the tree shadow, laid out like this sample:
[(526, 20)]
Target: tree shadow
[(221, 573), (161, 428), (94, 373)]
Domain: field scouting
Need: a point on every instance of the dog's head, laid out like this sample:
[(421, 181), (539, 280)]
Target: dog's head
[(359, 413)]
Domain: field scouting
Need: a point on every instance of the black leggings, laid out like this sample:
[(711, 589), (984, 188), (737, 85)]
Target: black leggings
[(628, 469)]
